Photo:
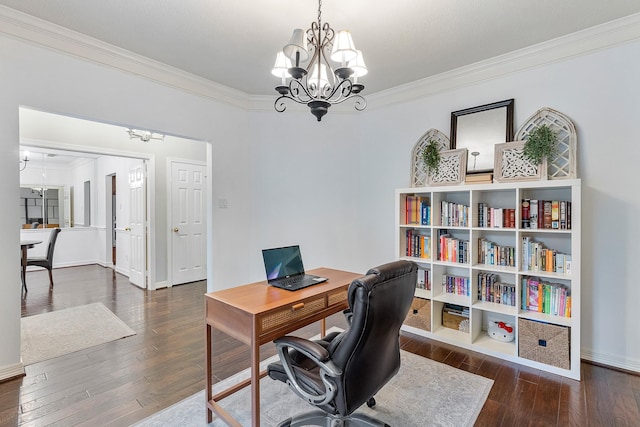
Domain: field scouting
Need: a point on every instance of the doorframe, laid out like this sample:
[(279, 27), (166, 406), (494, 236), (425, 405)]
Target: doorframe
[(150, 199), (170, 161)]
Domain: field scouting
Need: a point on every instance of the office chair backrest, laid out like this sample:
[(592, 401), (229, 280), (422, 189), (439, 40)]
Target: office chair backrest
[(52, 243), (369, 351)]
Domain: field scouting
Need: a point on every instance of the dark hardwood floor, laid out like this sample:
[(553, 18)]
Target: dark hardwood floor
[(124, 381)]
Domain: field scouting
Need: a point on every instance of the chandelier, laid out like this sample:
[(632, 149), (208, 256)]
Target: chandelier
[(319, 85)]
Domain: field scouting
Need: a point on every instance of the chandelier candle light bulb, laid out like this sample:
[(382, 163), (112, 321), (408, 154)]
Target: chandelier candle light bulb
[(319, 85)]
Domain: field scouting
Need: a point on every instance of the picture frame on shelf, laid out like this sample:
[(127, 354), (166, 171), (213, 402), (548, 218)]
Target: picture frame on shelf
[(452, 168), (512, 166), (478, 129)]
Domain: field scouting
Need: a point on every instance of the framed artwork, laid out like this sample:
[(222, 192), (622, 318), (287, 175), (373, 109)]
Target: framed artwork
[(511, 166), (478, 129)]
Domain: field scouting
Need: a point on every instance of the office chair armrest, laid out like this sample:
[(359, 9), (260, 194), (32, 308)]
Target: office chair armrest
[(316, 354), (348, 314), (310, 349)]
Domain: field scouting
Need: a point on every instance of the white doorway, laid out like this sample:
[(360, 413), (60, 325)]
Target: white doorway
[(187, 219)]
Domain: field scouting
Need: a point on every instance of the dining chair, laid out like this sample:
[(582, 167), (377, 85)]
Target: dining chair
[(46, 261)]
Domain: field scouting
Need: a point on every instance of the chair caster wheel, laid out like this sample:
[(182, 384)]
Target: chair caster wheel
[(371, 402)]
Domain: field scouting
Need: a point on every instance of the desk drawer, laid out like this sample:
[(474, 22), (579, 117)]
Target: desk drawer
[(296, 311)]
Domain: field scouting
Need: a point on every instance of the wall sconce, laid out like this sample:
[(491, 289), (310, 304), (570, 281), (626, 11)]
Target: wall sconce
[(23, 162)]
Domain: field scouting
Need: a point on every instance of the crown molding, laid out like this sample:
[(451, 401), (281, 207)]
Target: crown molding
[(43, 33), (583, 42)]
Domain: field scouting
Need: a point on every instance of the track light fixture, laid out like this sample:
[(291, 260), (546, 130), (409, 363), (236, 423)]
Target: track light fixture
[(144, 135)]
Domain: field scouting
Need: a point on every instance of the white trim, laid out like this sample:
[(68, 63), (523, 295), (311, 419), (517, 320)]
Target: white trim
[(40, 32), (12, 371), (37, 31), (613, 360), (583, 42)]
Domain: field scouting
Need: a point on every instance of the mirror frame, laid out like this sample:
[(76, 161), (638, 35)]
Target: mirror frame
[(508, 125)]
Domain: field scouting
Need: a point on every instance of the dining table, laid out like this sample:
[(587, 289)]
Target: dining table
[(24, 245)]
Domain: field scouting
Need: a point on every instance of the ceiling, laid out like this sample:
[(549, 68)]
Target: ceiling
[(234, 42)]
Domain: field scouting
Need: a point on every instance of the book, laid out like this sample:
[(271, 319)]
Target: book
[(555, 214), (546, 214), (533, 223), (563, 214), (525, 213)]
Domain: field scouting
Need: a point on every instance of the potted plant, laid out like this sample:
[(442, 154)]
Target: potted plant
[(431, 157), (540, 144)]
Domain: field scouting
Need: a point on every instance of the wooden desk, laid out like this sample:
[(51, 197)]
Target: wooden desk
[(258, 313), (24, 245)]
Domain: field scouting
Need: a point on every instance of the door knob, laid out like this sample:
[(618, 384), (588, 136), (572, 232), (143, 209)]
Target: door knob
[(127, 229), (176, 229)]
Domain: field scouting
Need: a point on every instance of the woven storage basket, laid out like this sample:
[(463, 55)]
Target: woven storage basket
[(544, 343), (419, 315)]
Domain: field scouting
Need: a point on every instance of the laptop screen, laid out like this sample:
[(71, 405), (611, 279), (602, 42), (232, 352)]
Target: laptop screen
[(282, 262)]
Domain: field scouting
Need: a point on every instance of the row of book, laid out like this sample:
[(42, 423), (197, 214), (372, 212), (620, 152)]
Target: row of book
[(549, 214), (418, 245), (535, 257), (546, 297), (458, 285), (451, 249), (491, 253), (458, 310), (417, 210), (491, 290), (424, 281), (496, 217), (454, 214)]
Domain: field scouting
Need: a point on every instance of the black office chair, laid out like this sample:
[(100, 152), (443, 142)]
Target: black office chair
[(47, 261), (342, 371)]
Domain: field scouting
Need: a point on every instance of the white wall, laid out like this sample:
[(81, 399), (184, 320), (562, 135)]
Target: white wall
[(347, 167)]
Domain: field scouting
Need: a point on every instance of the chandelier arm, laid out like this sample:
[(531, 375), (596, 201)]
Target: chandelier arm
[(344, 91), (295, 89)]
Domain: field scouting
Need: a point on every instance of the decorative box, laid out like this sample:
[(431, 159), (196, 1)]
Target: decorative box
[(544, 342), (419, 315)]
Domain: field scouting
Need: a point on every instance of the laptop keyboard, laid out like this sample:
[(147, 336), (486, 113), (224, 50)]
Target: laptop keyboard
[(292, 280)]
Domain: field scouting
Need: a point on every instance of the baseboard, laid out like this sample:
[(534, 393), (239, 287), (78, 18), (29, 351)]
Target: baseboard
[(11, 371), (611, 360), (163, 284)]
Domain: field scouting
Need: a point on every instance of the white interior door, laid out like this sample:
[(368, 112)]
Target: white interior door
[(137, 226), (188, 222)]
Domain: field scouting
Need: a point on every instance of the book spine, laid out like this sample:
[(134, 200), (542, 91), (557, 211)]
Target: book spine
[(555, 214), (534, 213), (525, 213), (547, 214)]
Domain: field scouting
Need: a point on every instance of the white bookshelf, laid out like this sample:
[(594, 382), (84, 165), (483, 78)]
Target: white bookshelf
[(483, 313)]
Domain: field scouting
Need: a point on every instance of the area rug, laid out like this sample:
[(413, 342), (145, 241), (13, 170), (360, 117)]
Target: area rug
[(423, 393), (53, 334)]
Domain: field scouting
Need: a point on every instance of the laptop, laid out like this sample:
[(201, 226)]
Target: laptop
[(285, 270)]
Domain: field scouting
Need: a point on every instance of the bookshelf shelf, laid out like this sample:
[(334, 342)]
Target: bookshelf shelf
[(493, 346), (489, 223), (496, 308)]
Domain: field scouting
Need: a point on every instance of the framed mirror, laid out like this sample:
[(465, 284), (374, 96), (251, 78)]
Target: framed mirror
[(478, 129)]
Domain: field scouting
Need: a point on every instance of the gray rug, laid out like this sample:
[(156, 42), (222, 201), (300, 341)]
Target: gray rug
[(424, 393), (53, 334)]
